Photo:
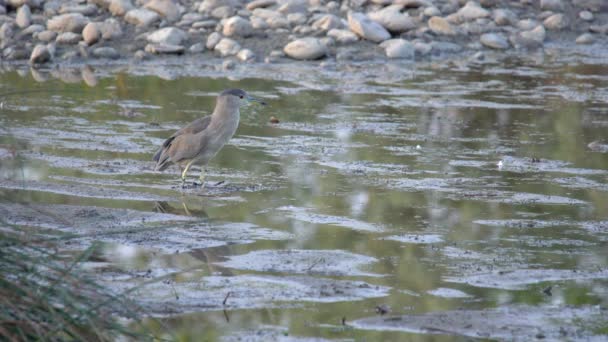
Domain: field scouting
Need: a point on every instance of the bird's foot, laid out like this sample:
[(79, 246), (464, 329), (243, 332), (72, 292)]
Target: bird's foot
[(198, 184)]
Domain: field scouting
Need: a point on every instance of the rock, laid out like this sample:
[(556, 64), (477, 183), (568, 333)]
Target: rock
[(327, 22), (440, 25), (431, 11), (602, 29), (237, 26), (223, 12), (24, 16), (555, 22), (586, 15), (265, 13), (105, 52), (91, 33), (33, 29), (423, 48), (110, 29), (366, 28), (6, 33), (141, 17), (46, 36), (591, 5), (305, 48), (446, 47), (245, 55), (293, 6), (197, 48), (167, 9), (40, 54), (70, 22), (413, 3), (156, 48), (503, 17), (552, 5), (86, 10), (494, 41), (167, 36), (260, 4), (528, 39), (398, 48), (472, 11), (585, 38), (527, 24), (393, 20), (227, 47), (120, 7), (296, 18), (212, 40), (207, 6), (343, 36), (68, 38), (258, 23), (228, 64)]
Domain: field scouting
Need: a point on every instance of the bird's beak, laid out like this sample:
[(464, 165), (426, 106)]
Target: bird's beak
[(255, 99)]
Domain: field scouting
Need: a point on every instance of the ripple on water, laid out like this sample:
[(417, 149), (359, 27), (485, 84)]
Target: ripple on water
[(308, 215)]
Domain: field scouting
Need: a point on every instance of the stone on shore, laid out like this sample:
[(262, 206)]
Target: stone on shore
[(503, 17), (366, 28), (91, 33), (586, 15), (494, 41), (328, 22), (70, 22), (68, 38), (46, 36), (398, 48), (260, 4), (141, 17), (552, 5), (212, 40), (343, 36), (105, 52), (393, 20), (167, 36), (441, 26), (307, 48), (245, 55), (529, 39), (40, 54), (160, 48), (120, 7), (585, 38), (556, 22), (23, 18), (167, 9), (227, 47), (237, 26), (472, 11), (110, 29)]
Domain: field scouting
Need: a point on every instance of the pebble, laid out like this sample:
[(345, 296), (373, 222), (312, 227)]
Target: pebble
[(328, 22), (472, 11), (141, 17), (552, 5), (260, 4), (167, 36), (197, 48), (227, 47), (343, 36), (105, 52), (494, 41), (585, 38), (393, 20), (245, 55), (68, 38), (120, 7), (70, 22), (440, 25), (212, 40), (556, 22), (366, 28), (91, 33), (165, 8), (503, 17), (46, 36), (586, 15), (305, 49), (237, 26), (161, 48), (23, 18), (398, 48), (40, 54)]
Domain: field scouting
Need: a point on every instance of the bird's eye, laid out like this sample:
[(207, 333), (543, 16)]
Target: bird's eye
[(241, 96)]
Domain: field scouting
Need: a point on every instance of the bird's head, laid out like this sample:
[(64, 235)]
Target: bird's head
[(239, 96)]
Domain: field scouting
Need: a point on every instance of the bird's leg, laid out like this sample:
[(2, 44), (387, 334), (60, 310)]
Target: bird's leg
[(201, 178), (185, 172)]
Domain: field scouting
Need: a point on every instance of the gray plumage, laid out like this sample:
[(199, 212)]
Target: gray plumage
[(198, 142)]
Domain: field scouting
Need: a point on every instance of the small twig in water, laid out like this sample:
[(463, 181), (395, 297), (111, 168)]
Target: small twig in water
[(226, 298), (315, 264), (344, 320)]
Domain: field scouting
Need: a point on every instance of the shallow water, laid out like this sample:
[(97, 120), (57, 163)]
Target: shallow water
[(391, 202)]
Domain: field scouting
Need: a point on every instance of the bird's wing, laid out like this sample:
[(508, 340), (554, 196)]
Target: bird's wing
[(187, 146), (194, 127)]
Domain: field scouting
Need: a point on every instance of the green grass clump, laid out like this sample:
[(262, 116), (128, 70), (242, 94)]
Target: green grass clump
[(45, 297)]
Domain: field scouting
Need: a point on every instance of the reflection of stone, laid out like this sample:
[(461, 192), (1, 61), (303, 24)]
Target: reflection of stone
[(88, 76)]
